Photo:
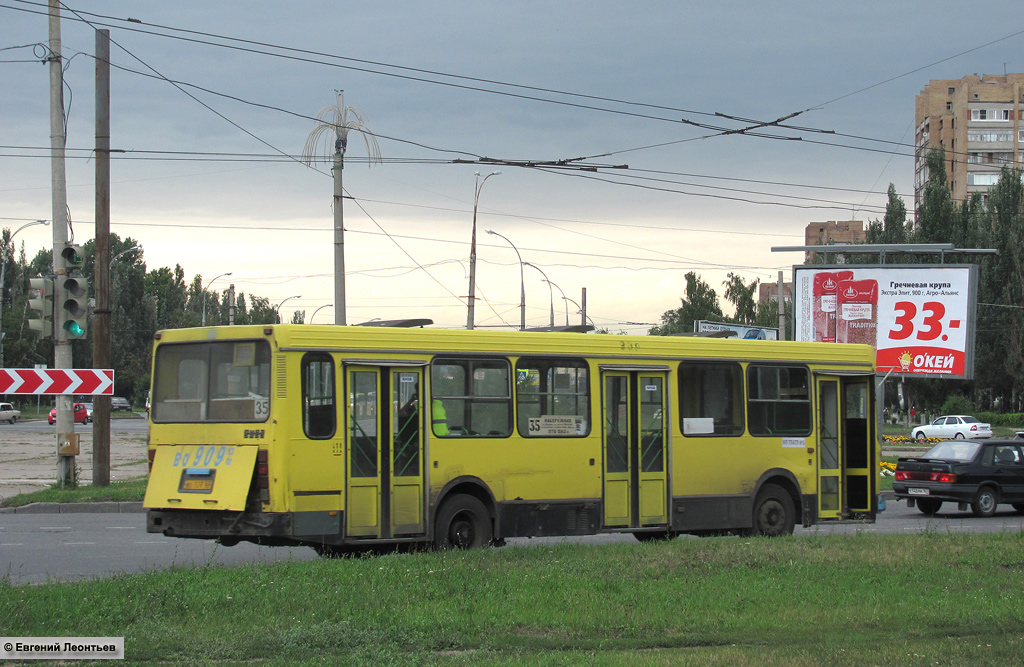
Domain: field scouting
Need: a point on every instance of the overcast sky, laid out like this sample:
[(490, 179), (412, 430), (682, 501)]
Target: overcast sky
[(615, 83)]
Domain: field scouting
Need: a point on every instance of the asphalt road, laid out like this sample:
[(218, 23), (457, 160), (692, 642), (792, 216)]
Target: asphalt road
[(137, 424), (37, 548)]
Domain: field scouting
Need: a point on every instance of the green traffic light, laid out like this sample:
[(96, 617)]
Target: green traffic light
[(74, 329)]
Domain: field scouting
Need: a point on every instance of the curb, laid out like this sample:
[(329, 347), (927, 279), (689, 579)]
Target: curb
[(110, 507)]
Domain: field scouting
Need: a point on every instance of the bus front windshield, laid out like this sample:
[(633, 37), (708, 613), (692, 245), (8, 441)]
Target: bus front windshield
[(225, 381)]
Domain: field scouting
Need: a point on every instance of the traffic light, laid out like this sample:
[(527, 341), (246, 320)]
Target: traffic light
[(74, 258), (75, 306), (40, 306), (76, 292)]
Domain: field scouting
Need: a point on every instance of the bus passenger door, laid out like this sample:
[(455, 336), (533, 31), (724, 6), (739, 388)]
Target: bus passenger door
[(830, 450), (847, 449), (635, 451), (385, 478)]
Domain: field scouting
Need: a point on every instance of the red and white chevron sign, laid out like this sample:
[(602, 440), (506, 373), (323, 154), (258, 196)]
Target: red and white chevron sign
[(56, 381)]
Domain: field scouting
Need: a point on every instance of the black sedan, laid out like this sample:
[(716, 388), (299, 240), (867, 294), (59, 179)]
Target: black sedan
[(974, 474)]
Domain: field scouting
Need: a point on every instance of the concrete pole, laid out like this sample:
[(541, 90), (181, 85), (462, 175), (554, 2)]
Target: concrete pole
[(583, 309), (231, 304), (782, 308), (59, 206), (339, 232), (101, 262)]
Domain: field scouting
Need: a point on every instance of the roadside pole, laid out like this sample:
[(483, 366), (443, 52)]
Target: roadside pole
[(67, 439), (101, 262)]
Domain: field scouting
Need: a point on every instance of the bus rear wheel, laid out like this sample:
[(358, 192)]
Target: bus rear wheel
[(463, 523), (774, 514)]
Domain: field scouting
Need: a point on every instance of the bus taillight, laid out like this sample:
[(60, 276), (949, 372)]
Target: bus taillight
[(263, 474)]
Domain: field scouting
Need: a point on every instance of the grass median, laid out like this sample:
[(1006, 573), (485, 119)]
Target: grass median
[(122, 491), (933, 598)]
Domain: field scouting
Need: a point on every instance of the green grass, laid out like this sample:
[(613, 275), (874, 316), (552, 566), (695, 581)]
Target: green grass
[(125, 491), (858, 600)]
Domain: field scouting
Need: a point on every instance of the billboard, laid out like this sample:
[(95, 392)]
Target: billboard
[(737, 330), (919, 318)]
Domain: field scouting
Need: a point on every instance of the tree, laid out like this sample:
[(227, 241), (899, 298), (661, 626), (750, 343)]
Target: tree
[(893, 228), (167, 288), (742, 297), (700, 303), (937, 215), (1000, 329)]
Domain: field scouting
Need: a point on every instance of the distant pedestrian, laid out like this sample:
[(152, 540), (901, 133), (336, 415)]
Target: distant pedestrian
[(913, 415)]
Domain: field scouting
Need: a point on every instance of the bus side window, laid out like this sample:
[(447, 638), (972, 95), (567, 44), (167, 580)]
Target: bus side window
[(711, 398), (476, 396), (778, 400), (319, 418), (552, 398)]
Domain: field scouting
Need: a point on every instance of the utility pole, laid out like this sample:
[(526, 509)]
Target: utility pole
[(101, 262), (335, 120), (67, 441), (782, 308), (340, 142), (583, 309), (231, 304)]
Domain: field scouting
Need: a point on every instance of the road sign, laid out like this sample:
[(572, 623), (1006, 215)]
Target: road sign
[(55, 381)]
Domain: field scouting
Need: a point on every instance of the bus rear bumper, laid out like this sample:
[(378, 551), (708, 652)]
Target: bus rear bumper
[(234, 526)]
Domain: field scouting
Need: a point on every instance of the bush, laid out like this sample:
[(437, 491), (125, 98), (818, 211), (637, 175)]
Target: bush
[(958, 405), (1009, 420)]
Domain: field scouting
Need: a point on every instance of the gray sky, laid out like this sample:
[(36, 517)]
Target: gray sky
[(606, 81)]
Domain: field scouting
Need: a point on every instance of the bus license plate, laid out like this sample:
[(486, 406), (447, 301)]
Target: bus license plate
[(919, 492), (197, 480)]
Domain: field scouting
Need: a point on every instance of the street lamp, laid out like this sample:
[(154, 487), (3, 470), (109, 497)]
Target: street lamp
[(278, 309), (3, 270), (204, 290), (579, 309), (317, 311), (522, 282), (551, 296), (125, 252), (472, 248)]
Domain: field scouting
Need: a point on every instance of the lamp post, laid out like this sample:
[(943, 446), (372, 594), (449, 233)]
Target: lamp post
[(551, 293), (564, 301), (204, 292), (278, 309), (317, 311), (522, 282), (472, 249), (3, 271)]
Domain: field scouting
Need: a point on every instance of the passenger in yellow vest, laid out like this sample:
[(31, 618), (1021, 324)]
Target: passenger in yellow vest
[(439, 417)]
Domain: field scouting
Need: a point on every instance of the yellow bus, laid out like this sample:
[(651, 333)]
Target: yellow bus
[(356, 438)]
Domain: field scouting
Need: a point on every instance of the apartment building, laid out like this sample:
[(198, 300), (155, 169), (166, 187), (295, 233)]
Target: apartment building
[(832, 232), (977, 120)]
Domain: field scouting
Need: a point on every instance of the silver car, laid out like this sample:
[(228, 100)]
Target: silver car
[(953, 426)]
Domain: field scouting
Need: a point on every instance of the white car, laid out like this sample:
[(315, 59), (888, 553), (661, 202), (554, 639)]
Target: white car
[(953, 426), (8, 413)]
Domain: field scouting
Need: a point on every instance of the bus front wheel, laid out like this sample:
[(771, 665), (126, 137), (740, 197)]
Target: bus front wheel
[(463, 523), (774, 514)]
